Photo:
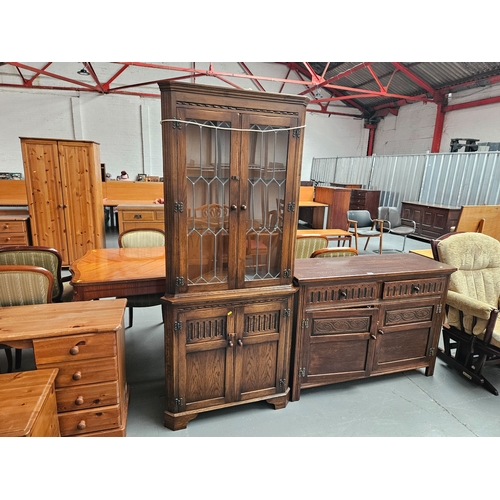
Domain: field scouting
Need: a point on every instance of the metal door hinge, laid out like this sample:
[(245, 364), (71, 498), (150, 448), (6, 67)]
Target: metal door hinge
[(178, 207), (439, 309), (177, 125), (177, 325), (305, 323), (178, 401), (432, 351), (296, 133), (179, 281), (282, 383), (286, 313), (302, 372), (287, 273), (291, 206)]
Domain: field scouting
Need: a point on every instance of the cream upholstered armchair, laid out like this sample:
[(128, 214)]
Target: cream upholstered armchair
[(471, 335), (139, 238)]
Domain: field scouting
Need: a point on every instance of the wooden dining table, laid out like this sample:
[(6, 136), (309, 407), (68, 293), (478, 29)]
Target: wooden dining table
[(118, 272)]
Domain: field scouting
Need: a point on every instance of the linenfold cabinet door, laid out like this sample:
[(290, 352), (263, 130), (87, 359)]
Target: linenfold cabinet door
[(64, 192)]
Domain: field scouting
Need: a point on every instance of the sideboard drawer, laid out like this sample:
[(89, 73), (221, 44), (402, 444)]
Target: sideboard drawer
[(82, 422), (140, 215), (87, 396), (342, 293), (414, 288), (91, 346)]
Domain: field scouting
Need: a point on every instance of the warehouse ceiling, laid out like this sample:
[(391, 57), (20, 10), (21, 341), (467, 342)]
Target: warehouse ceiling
[(366, 90)]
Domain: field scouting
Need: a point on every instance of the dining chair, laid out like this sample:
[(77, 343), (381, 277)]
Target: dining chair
[(20, 286), (361, 224), (324, 253), (307, 244), (140, 238), (46, 257), (395, 224)]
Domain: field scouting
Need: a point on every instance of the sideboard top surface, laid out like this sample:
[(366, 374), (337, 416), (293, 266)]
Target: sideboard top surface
[(363, 266)]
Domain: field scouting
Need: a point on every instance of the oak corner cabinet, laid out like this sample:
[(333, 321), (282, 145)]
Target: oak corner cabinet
[(64, 193), (231, 168), (366, 316)]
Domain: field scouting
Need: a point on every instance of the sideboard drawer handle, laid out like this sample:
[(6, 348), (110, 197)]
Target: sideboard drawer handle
[(74, 350), (81, 425), (79, 401), (77, 376)]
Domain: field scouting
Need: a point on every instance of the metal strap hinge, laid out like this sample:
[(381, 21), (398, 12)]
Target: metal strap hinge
[(179, 281), (302, 372), (287, 273), (177, 125), (177, 325), (291, 206), (178, 401), (178, 207), (439, 308), (296, 133), (305, 323), (432, 352), (282, 383), (286, 313)]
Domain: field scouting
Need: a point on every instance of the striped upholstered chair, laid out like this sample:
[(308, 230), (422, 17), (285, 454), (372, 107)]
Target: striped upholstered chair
[(46, 257), (306, 245), (20, 286), (141, 238)]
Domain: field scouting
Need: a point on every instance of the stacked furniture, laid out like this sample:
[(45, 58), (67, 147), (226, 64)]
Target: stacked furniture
[(142, 216), (365, 199), (232, 174), (64, 192)]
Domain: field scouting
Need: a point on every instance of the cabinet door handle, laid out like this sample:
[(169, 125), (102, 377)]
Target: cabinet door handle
[(381, 332), (240, 342), (373, 336), (343, 294), (416, 288), (234, 207), (243, 207), (230, 343)]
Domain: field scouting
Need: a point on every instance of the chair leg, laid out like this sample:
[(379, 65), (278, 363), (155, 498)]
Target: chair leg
[(404, 242), (367, 241), (130, 316), (8, 353), (19, 356)]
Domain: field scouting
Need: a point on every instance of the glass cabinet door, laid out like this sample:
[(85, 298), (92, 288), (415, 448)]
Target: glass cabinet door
[(267, 149)]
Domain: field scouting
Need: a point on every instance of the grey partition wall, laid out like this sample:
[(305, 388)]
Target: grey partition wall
[(452, 179)]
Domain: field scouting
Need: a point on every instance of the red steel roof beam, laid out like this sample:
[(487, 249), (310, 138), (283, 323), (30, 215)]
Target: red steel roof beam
[(416, 79), (248, 72)]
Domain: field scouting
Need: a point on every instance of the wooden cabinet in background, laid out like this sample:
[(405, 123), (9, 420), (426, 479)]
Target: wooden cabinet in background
[(64, 192), (86, 342), (140, 216), (432, 221), (14, 227), (359, 317), (365, 199), (338, 200)]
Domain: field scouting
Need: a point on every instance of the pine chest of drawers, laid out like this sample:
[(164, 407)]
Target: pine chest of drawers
[(85, 341), (363, 316), (140, 216), (14, 227)]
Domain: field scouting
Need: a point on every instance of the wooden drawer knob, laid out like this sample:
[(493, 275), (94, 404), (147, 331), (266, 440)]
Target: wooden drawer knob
[(6, 226), (81, 425), (77, 376), (79, 401), (74, 350)]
